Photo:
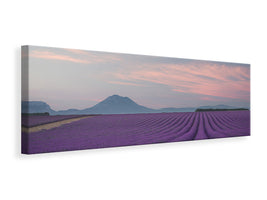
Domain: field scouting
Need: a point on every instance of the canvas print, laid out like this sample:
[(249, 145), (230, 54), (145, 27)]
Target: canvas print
[(76, 99)]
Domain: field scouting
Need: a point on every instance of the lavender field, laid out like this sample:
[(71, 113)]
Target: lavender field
[(136, 129)]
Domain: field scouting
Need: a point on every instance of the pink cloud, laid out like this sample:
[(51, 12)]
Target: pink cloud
[(76, 56), (198, 77), (98, 56), (77, 51), (54, 56)]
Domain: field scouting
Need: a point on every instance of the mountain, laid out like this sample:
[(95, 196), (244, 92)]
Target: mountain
[(167, 110), (36, 107), (114, 104), (69, 112)]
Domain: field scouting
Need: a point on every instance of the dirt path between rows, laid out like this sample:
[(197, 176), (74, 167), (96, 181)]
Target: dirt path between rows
[(51, 125)]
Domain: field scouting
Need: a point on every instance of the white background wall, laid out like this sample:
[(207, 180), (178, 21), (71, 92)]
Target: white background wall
[(233, 168)]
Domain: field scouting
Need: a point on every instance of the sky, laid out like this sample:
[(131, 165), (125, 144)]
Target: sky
[(71, 78)]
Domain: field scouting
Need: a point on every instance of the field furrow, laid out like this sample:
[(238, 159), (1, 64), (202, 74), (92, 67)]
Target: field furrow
[(136, 129)]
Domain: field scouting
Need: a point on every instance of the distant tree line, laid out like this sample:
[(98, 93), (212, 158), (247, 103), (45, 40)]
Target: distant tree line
[(211, 109), (41, 114)]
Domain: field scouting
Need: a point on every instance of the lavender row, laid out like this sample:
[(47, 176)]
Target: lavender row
[(135, 129)]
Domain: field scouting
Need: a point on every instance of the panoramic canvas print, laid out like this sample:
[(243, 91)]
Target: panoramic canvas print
[(76, 99)]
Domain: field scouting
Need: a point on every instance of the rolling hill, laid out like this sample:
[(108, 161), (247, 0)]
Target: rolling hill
[(114, 104)]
